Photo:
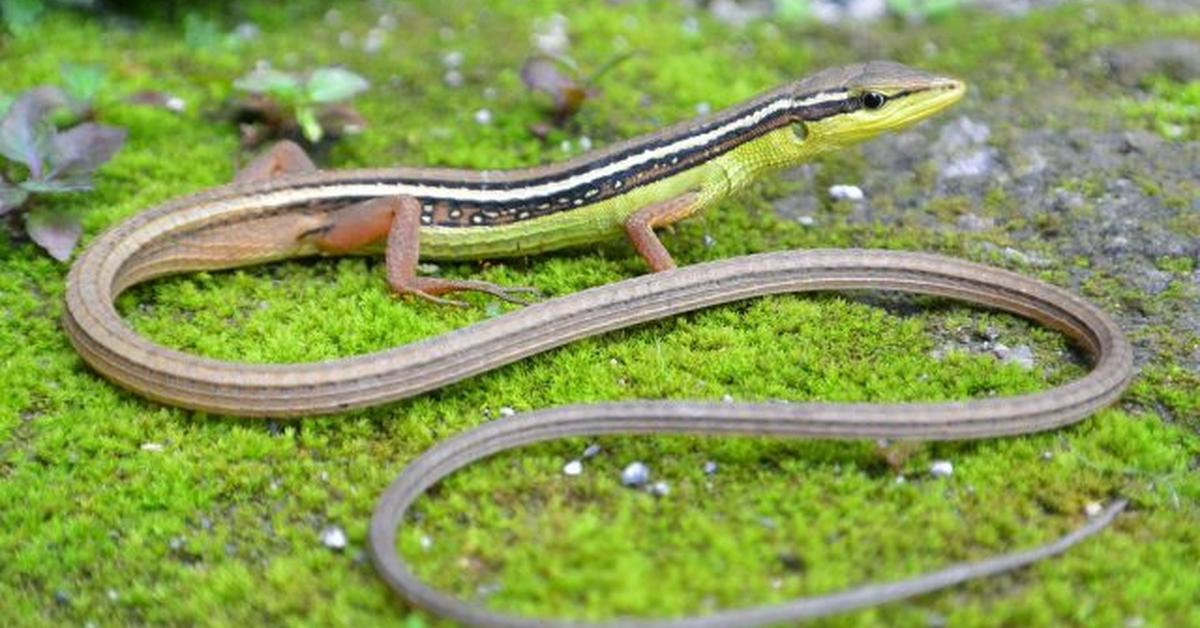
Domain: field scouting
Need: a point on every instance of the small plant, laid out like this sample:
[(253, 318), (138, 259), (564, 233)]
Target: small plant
[(46, 160), (314, 104), (559, 78)]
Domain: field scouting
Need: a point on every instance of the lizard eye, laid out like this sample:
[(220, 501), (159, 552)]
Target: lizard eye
[(873, 100)]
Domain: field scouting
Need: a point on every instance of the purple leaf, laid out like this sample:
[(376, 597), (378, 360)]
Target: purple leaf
[(543, 74), (10, 197), (57, 232), (25, 131), (77, 152)]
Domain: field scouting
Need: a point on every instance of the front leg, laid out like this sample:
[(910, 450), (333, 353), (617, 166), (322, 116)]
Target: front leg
[(639, 227), (398, 218)]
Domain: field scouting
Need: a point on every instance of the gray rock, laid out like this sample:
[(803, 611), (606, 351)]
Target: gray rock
[(636, 474), (1177, 59)]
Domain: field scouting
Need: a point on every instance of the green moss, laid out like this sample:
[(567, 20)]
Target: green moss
[(219, 521), (1170, 108)]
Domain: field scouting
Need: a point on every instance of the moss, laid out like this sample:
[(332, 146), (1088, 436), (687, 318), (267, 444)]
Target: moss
[(218, 522)]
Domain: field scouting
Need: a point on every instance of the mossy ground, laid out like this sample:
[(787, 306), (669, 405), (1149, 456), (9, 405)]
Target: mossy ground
[(221, 526)]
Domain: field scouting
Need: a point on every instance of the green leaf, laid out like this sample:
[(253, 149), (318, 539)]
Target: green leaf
[(270, 81), (82, 82), (56, 231), (328, 85), (307, 118), (21, 16)]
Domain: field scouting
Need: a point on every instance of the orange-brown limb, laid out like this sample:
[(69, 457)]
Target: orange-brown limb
[(281, 159), (639, 227)]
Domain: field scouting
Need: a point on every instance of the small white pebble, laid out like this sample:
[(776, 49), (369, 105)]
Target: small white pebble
[(709, 241), (453, 78), (175, 104), (572, 468), (425, 542), (374, 42), (806, 221), (112, 594), (452, 59), (941, 469), (334, 538), (246, 31), (636, 474), (152, 447), (591, 451), (846, 192), (507, 411), (900, 479), (703, 108), (1093, 508), (660, 489), (710, 467), (1047, 455), (727, 398), (428, 268), (483, 116), (585, 143)]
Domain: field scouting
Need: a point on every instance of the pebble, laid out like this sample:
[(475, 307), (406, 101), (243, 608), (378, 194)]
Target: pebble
[(972, 223), (1047, 455), (591, 451), (152, 447), (572, 468), (507, 411), (806, 221), (709, 241), (941, 469), (846, 193), (483, 116), (550, 35), (376, 38), (660, 489), (425, 542), (710, 467), (585, 143), (1093, 509), (334, 538), (703, 108), (453, 78), (636, 474), (247, 31), (727, 398), (452, 59)]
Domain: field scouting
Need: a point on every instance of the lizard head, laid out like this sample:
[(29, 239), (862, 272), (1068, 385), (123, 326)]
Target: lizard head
[(853, 103)]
